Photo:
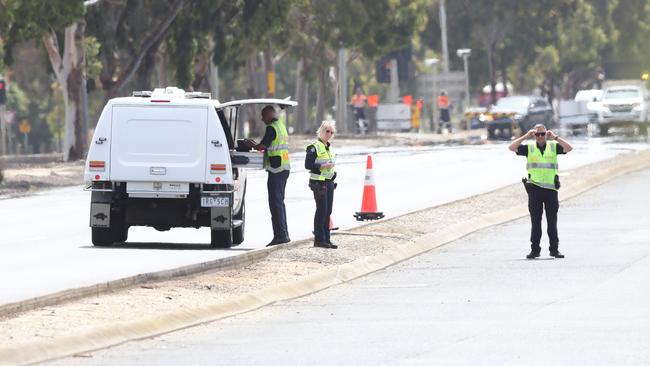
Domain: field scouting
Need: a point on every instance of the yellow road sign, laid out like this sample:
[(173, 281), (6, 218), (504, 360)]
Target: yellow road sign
[(25, 126)]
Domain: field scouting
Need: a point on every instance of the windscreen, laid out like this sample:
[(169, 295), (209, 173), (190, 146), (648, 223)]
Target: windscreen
[(622, 93)]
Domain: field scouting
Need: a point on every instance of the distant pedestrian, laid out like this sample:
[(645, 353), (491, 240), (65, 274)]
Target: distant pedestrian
[(542, 184), (443, 106), (320, 161), (275, 145)]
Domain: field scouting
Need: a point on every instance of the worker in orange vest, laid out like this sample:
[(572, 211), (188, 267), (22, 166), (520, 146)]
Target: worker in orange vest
[(358, 102), (444, 105)]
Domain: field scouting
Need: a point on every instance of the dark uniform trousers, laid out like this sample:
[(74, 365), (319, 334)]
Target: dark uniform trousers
[(540, 200), (276, 185), (324, 197)]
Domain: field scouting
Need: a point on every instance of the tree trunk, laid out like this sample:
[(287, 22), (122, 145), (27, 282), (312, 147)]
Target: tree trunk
[(493, 81), (321, 96), (68, 69), (301, 98)]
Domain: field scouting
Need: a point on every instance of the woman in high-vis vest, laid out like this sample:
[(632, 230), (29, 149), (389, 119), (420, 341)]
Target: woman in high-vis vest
[(320, 161), (542, 183)]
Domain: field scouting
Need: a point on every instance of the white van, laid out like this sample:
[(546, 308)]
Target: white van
[(167, 159)]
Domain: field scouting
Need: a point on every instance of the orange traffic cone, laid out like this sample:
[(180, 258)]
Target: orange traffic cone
[(369, 201), (332, 227)]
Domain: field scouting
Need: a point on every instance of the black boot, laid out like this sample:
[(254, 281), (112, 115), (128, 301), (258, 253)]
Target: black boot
[(556, 253), (532, 255)]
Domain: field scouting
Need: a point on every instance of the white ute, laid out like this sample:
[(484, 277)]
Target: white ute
[(167, 159)]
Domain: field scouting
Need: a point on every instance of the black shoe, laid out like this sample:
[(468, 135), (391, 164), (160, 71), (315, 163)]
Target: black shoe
[(284, 241), (556, 254), (321, 244), (332, 245), (273, 242), (532, 255)]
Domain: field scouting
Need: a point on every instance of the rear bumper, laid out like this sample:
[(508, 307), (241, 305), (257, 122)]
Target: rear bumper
[(499, 124)]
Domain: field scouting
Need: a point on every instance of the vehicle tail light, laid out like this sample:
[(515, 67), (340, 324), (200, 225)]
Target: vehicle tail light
[(97, 165), (217, 168)]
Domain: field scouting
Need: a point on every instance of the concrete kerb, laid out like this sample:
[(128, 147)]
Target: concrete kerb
[(233, 262), (115, 334)]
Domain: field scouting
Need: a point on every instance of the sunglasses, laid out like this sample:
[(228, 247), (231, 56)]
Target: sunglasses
[(539, 134)]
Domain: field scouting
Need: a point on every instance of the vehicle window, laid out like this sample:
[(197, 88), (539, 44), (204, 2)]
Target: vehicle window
[(516, 104), (621, 93)]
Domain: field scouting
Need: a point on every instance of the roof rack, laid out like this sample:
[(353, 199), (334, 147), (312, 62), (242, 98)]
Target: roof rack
[(172, 91), (142, 94)]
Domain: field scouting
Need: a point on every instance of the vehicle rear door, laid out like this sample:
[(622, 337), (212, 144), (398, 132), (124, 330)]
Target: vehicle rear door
[(230, 111), (162, 143)]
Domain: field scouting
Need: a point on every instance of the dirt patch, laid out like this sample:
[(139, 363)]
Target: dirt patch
[(283, 266), (24, 179)]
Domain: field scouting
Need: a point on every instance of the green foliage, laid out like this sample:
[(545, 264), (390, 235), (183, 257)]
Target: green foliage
[(93, 65), (24, 20)]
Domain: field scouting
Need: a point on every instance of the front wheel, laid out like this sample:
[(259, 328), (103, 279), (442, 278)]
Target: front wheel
[(603, 130)]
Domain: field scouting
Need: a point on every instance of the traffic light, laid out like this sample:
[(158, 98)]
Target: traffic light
[(3, 92)]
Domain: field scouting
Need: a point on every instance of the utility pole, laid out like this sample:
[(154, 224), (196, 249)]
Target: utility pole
[(443, 34), (341, 107), (393, 88), (3, 130), (3, 126)]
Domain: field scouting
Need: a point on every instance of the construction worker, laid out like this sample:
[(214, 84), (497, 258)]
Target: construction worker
[(542, 184), (445, 116), (275, 145), (320, 161)]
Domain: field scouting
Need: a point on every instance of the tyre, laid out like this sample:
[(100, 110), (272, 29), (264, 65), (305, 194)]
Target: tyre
[(102, 237), (507, 133), (221, 238), (238, 232), (603, 130), (491, 134)]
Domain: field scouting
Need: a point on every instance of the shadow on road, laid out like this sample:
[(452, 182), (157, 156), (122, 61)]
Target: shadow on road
[(165, 246)]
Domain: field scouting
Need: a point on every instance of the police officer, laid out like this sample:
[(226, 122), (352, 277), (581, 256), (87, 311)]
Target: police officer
[(542, 184), (320, 161), (275, 145)]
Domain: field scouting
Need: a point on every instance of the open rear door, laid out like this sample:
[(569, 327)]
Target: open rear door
[(247, 159)]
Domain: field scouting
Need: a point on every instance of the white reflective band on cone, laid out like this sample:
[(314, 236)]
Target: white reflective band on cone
[(370, 178)]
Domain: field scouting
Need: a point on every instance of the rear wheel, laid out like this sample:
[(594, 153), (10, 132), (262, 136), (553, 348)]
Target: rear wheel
[(603, 130), (238, 232), (221, 238), (102, 237)]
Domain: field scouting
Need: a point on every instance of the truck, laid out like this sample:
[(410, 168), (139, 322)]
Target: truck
[(624, 104), (168, 158)]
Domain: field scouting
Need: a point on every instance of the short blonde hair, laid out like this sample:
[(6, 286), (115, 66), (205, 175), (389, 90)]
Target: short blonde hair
[(324, 125)]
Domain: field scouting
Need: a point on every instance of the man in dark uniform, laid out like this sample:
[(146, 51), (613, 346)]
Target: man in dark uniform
[(542, 184), (275, 145)]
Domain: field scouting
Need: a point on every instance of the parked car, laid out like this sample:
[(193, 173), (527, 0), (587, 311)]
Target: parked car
[(594, 102), (624, 106), (517, 114), (168, 159)]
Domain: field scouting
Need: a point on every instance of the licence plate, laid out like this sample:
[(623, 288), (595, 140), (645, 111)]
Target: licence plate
[(215, 201)]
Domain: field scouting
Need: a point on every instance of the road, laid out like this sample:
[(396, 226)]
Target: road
[(46, 247), (475, 301)]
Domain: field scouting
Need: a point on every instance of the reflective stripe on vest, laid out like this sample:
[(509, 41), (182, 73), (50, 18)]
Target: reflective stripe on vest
[(542, 166), (323, 155), (279, 147)]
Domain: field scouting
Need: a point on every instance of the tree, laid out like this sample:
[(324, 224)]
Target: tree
[(130, 33), (52, 22)]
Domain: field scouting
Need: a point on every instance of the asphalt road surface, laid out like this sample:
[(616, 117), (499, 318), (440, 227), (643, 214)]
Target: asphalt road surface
[(475, 301), (45, 243)]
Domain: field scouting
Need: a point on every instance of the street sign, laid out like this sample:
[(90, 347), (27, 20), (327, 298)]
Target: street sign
[(25, 127), (9, 117)]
